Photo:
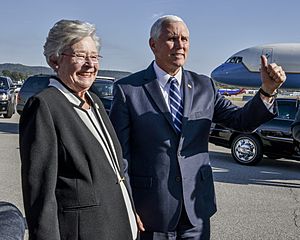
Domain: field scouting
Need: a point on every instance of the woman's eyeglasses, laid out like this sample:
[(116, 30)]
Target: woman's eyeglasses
[(83, 58)]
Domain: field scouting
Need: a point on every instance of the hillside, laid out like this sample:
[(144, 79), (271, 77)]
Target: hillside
[(28, 70), (33, 70)]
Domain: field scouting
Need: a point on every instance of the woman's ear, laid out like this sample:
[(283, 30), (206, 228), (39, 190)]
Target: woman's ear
[(53, 62)]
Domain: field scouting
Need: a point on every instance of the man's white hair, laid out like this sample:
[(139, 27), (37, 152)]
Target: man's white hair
[(156, 27)]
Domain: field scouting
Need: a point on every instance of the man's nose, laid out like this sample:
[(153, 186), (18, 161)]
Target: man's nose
[(179, 43)]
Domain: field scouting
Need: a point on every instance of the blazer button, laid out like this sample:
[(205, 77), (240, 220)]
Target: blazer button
[(178, 179)]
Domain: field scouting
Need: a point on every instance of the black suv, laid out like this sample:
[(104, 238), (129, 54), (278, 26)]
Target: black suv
[(7, 97), (102, 86), (272, 139)]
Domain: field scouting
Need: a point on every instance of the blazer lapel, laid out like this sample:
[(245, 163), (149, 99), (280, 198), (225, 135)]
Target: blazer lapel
[(153, 88)]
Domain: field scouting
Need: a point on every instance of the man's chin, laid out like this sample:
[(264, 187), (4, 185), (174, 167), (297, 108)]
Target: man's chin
[(178, 63)]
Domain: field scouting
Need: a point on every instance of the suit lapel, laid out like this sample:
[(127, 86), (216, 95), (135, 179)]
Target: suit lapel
[(188, 92), (152, 87)]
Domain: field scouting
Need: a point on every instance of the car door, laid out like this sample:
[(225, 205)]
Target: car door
[(276, 134)]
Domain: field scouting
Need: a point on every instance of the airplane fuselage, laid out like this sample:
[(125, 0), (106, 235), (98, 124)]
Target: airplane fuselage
[(243, 68)]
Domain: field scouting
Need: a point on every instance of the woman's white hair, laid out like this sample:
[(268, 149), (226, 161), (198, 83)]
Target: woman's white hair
[(65, 33), (156, 27)]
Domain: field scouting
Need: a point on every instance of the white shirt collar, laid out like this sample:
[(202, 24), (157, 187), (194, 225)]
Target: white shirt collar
[(163, 77), (69, 95)]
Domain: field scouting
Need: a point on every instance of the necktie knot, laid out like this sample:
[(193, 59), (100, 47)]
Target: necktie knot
[(173, 80)]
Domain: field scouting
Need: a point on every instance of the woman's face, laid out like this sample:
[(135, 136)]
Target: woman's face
[(78, 66)]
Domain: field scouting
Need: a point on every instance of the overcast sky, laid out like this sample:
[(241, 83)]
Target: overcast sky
[(218, 28)]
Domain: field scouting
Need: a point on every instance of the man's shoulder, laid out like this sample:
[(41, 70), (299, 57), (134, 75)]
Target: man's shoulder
[(193, 75), (200, 80)]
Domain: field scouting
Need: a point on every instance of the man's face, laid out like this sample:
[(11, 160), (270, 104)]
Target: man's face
[(172, 47)]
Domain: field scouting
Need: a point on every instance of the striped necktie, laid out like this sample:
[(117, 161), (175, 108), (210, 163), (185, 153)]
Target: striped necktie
[(176, 105)]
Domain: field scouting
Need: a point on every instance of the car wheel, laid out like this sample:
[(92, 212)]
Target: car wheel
[(10, 112), (246, 149)]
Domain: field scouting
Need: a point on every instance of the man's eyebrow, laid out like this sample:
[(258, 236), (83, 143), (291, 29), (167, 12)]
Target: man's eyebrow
[(172, 34)]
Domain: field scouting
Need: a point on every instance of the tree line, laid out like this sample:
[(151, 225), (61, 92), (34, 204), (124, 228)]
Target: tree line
[(15, 76)]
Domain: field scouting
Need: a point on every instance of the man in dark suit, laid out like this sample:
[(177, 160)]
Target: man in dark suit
[(163, 125)]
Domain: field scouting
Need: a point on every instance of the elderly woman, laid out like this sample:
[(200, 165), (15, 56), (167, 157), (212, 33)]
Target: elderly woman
[(72, 175)]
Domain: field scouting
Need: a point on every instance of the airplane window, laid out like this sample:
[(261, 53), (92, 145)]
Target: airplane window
[(233, 60), (228, 60), (239, 59)]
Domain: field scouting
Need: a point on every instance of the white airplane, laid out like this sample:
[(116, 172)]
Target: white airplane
[(242, 68)]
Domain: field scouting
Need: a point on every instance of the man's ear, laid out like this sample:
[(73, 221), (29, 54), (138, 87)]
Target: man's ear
[(152, 44), (53, 62)]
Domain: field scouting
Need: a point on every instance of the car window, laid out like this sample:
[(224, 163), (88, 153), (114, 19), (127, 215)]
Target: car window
[(103, 88), (35, 84), (3, 84), (286, 110)]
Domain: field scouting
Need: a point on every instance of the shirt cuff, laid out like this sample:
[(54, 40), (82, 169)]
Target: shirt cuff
[(269, 105)]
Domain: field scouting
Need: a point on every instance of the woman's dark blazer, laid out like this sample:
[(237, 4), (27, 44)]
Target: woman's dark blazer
[(69, 188)]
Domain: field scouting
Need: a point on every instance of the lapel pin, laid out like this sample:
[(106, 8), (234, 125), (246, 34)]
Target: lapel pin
[(189, 86)]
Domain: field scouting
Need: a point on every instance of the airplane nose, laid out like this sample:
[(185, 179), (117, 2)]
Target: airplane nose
[(217, 73)]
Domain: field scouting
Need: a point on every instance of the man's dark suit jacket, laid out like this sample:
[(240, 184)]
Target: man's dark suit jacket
[(69, 187), (168, 171)]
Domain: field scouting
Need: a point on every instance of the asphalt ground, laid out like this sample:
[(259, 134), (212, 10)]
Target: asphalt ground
[(254, 202)]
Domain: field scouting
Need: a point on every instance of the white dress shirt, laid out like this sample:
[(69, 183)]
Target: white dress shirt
[(163, 78)]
